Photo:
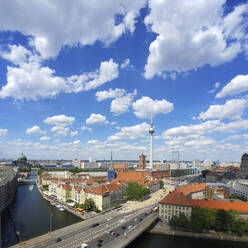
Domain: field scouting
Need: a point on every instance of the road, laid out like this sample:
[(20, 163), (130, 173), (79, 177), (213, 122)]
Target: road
[(73, 236)]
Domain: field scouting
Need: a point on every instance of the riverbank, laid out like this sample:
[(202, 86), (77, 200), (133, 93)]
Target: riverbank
[(164, 229)]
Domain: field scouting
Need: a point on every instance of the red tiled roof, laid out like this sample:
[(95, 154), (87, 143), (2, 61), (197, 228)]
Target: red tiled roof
[(78, 188), (105, 188), (226, 205), (130, 176), (188, 189), (120, 166), (176, 198)]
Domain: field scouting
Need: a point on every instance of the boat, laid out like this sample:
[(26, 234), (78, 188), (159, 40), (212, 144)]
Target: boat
[(31, 187), (58, 206), (52, 203), (61, 209)]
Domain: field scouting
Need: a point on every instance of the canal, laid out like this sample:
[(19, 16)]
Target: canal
[(30, 215)]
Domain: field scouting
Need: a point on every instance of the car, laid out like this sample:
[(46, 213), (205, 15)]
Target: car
[(99, 245), (113, 233), (141, 219), (110, 231), (129, 227), (110, 218), (117, 235), (94, 225), (124, 227), (58, 240), (135, 219), (84, 245)]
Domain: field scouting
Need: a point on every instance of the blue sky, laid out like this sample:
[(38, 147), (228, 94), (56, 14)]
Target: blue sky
[(81, 78)]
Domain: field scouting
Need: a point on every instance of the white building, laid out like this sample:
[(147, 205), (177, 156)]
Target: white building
[(240, 188)]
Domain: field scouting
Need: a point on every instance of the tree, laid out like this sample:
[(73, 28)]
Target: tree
[(204, 173), (197, 219), (210, 218), (134, 191), (223, 220), (89, 204), (161, 184)]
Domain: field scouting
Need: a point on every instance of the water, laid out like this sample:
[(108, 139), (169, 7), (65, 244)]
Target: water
[(31, 215), (148, 240)]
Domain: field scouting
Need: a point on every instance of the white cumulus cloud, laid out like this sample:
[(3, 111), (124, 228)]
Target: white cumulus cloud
[(84, 128), (108, 94), (97, 119), (238, 85), (35, 130), (31, 81), (131, 132), (193, 33), (144, 107), (3, 132), (73, 133), (120, 105), (232, 109), (45, 138), (79, 22), (60, 120)]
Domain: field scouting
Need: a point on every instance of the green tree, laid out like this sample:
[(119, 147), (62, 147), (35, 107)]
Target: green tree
[(89, 204), (204, 173), (240, 226), (161, 184), (223, 220), (197, 220), (210, 218), (134, 191)]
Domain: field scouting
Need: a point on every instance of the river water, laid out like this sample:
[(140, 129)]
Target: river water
[(30, 215)]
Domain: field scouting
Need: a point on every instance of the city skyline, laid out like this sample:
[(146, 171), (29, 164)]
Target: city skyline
[(71, 88)]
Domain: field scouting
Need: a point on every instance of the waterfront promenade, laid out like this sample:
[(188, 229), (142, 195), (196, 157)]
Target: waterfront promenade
[(164, 229)]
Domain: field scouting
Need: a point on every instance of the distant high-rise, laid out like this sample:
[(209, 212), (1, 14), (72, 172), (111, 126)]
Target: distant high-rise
[(175, 156), (111, 171), (142, 162), (151, 132)]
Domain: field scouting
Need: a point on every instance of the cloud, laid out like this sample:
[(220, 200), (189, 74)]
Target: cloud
[(131, 132), (199, 142), (203, 34), (238, 85), (3, 132), (35, 130), (18, 55), (60, 130), (88, 22), (76, 142), (97, 119), (92, 142), (45, 138), (32, 81), (233, 137), (144, 107), (120, 105), (73, 133), (232, 109), (84, 128), (125, 63), (216, 86), (108, 94), (60, 120), (206, 127)]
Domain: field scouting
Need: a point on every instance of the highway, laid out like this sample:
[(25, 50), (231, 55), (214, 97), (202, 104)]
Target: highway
[(84, 232)]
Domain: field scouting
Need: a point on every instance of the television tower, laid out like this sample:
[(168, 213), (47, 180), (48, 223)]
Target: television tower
[(151, 132)]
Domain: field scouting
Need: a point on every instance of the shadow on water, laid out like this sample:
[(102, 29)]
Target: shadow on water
[(29, 215), (148, 240)]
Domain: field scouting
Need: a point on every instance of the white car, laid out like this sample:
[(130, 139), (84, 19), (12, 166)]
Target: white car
[(129, 227), (110, 218)]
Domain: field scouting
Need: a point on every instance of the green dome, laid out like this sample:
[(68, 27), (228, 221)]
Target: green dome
[(22, 157)]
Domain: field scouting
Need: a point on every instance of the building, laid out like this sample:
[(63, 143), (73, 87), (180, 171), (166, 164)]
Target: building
[(216, 193), (182, 200), (120, 167), (240, 188), (142, 162), (213, 177), (174, 204), (244, 166)]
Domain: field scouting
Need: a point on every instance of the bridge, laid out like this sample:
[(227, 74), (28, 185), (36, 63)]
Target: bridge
[(100, 231), (24, 181)]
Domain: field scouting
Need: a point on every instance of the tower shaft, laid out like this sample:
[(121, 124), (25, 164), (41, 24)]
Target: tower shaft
[(151, 152)]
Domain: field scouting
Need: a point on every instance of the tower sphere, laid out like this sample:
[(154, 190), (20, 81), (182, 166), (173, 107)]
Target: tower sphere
[(151, 129)]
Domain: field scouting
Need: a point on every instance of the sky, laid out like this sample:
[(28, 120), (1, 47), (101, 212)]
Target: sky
[(81, 78)]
